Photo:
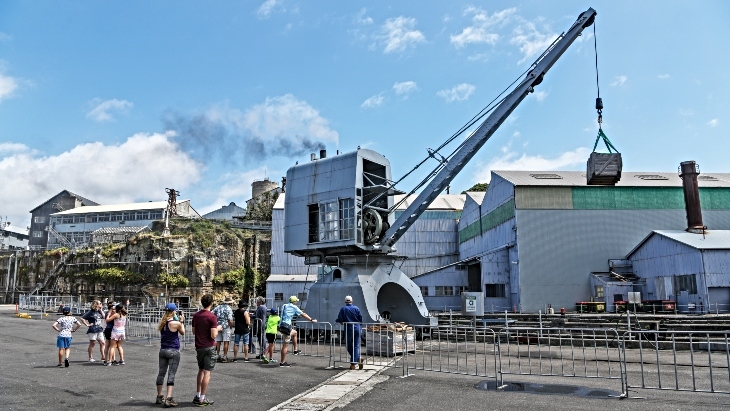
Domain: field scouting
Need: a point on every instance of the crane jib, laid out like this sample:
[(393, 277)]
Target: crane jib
[(479, 137)]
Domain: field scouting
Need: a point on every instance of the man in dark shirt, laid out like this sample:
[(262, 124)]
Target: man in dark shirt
[(241, 330), (205, 328), (351, 318), (259, 327)]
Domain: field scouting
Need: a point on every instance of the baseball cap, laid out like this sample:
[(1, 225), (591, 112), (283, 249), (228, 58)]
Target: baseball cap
[(293, 299), (66, 309), (272, 311), (170, 307), (348, 299)]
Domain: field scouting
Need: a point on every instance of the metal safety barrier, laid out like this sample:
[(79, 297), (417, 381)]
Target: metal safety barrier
[(697, 361), (455, 350), (379, 344)]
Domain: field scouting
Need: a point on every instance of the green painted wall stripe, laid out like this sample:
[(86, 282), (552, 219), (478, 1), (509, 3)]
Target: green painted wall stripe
[(646, 198), (488, 221)]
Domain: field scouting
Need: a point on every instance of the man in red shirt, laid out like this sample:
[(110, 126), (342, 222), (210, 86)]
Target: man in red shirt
[(205, 329)]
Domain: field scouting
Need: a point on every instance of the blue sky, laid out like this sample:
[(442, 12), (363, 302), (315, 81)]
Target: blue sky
[(118, 100)]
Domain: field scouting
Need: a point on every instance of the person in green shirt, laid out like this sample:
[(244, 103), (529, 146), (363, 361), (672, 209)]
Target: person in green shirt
[(272, 323)]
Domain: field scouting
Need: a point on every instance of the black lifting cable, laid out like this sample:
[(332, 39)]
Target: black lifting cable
[(599, 102)]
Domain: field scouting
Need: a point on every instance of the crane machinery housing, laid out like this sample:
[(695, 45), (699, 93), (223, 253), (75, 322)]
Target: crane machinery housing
[(339, 212)]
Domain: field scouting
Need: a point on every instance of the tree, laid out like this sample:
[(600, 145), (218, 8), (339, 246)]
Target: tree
[(261, 207), (477, 187)]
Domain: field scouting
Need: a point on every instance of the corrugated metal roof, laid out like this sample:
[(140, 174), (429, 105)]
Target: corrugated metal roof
[(121, 230), (628, 178), (291, 278), (442, 202), (14, 229), (151, 205), (711, 240)]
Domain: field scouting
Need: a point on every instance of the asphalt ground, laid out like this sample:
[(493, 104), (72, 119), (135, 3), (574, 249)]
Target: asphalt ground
[(30, 380)]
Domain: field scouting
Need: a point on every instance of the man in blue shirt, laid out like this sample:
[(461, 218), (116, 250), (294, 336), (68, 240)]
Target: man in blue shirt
[(350, 317), (288, 311)]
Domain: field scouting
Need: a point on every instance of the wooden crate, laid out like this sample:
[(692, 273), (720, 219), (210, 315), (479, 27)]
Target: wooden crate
[(604, 168)]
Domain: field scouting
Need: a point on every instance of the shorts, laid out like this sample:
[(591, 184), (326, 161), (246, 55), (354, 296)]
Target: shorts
[(224, 335), (63, 342), (118, 335), (270, 338), (238, 337), (108, 333), (287, 338), (96, 336), (206, 358)]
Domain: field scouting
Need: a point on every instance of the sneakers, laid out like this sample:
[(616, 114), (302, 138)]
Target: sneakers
[(65, 362), (160, 399), (196, 400), (223, 359), (296, 352), (258, 357), (360, 363), (107, 363), (285, 364), (204, 402), (169, 402), (115, 362), (234, 360), (92, 360), (263, 360), (59, 365), (120, 363), (246, 360)]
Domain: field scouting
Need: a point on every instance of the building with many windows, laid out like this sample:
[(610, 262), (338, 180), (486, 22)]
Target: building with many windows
[(74, 228), (40, 216), (13, 238)]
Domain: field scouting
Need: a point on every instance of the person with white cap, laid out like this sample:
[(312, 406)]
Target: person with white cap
[(350, 317), (288, 311)]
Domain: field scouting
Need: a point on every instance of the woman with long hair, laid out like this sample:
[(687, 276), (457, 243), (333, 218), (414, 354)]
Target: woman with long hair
[(118, 334), (171, 327)]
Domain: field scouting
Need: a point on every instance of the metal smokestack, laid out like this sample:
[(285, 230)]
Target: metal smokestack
[(322, 153), (688, 172)]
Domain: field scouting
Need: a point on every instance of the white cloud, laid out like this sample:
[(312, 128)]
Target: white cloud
[(137, 170), (285, 115), (398, 34), (619, 81), (460, 92), (104, 110), (530, 40), (405, 87), (479, 57), (481, 29), (7, 86), (713, 123), (513, 161), (362, 18), (663, 76), (235, 187), (268, 7), (373, 101), (13, 148), (540, 95)]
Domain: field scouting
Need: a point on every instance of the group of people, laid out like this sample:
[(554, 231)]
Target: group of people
[(212, 329), (106, 328)]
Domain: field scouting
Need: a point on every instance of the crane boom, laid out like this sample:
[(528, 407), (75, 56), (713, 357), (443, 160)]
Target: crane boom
[(469, 148)]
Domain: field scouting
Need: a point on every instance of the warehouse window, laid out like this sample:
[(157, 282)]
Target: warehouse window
[(424, 290), (329, 227), (461, 289), (443, 290), (37, 234), (40, 219), (278, 296), (302, 296), (685, 283), (494, 290), (599, 291)]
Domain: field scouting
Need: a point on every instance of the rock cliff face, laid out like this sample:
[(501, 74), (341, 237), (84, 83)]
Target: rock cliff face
[(198, 257)]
